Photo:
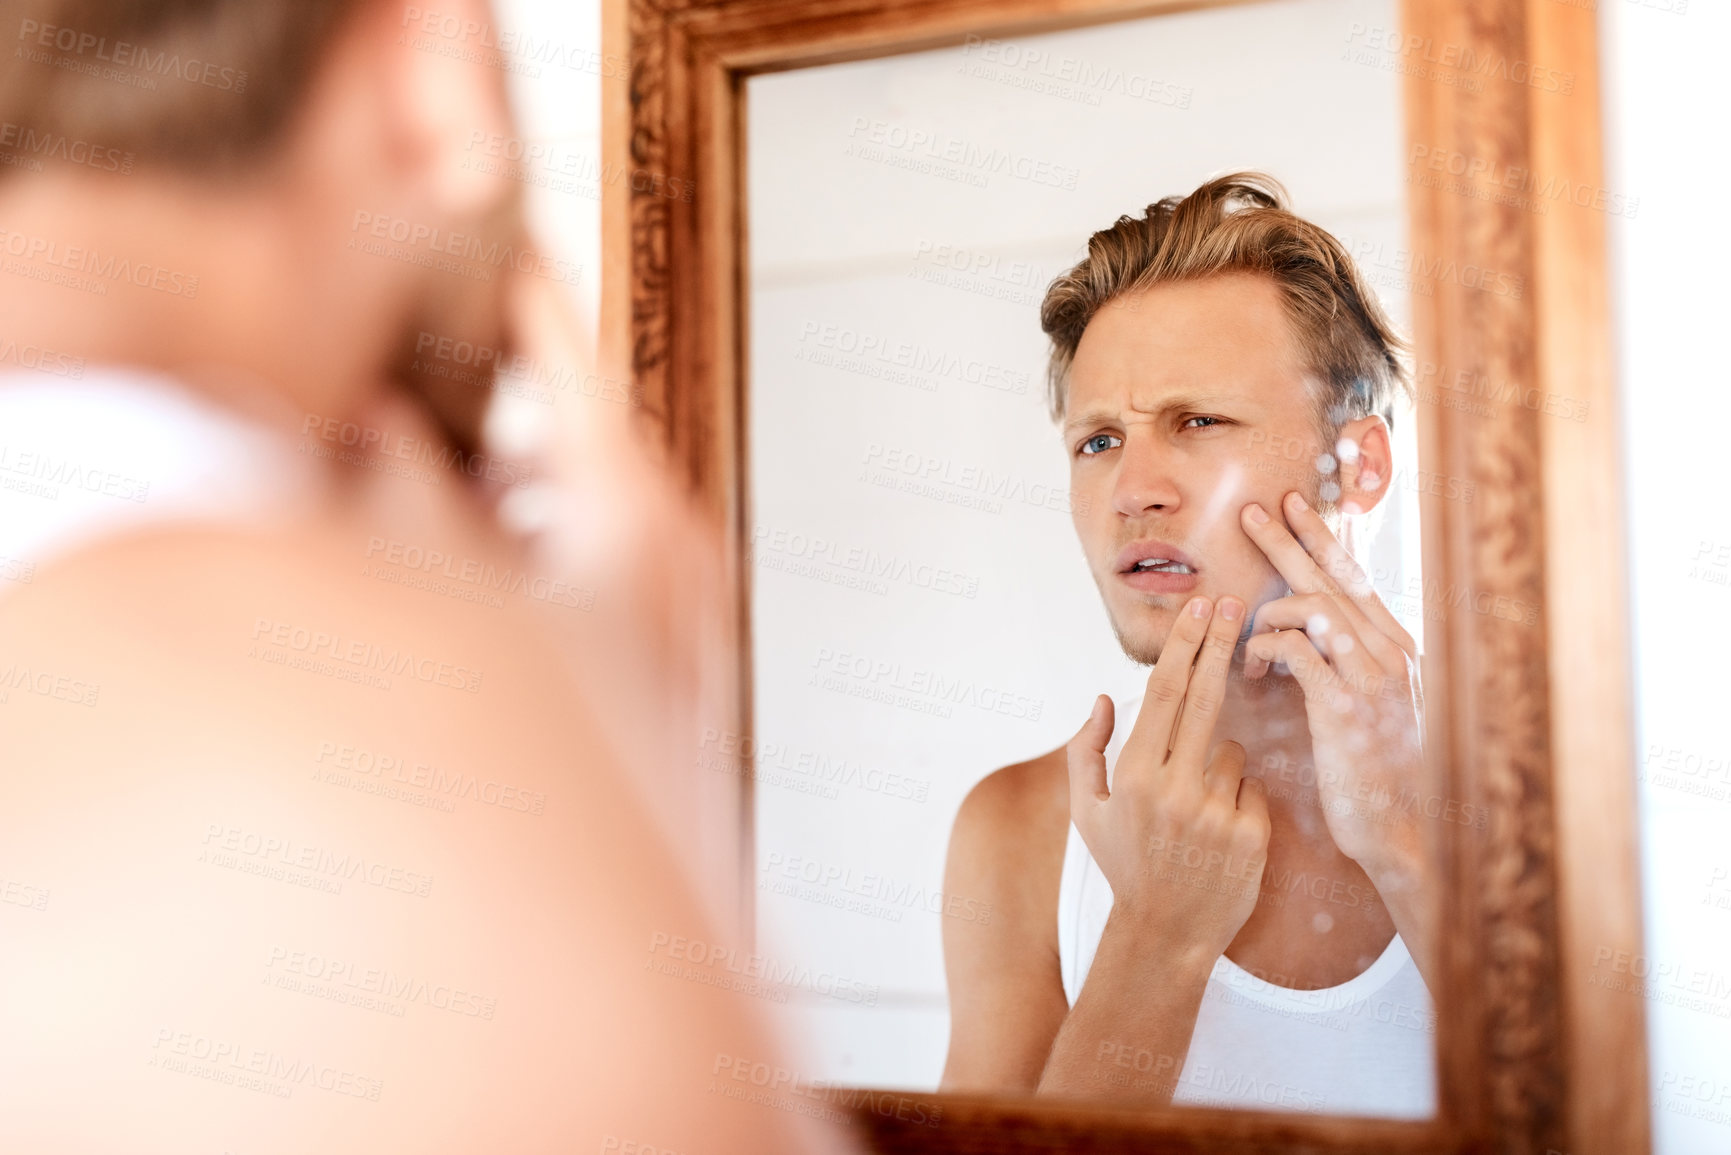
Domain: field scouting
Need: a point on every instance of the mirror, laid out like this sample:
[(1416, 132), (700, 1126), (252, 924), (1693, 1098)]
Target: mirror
[(936, 596)]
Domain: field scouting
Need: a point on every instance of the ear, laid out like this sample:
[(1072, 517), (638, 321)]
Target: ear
[(1366, 464), (446, 103)]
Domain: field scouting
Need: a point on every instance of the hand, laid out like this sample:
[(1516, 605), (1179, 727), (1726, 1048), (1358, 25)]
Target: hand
[(1181, 837), (655, 654), (1358, 670)]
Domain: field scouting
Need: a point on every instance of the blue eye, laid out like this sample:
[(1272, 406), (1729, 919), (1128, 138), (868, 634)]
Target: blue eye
[(1210, 420), (1093, 444)]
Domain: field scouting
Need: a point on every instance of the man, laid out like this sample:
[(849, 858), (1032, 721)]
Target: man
[(1253, 828), (307, 840)]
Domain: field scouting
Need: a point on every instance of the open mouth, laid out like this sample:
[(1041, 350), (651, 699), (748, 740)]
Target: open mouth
[(1159, 565)]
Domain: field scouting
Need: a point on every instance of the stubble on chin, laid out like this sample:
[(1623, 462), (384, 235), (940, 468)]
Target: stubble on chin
[(1142, 647), (1145, 645)]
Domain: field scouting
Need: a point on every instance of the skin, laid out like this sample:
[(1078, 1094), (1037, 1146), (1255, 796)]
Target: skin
[(1183, 403), (131, 815)]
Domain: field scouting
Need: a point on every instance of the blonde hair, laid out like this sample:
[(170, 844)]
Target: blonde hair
[(1241, 223)]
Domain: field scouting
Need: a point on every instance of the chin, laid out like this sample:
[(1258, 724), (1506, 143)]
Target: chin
[(1142, 637)]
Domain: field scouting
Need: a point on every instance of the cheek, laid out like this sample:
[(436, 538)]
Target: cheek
[(1091, 512), (1218, 495), (1222, 494), (1093, 528), (1266, 478), (1222, 498)]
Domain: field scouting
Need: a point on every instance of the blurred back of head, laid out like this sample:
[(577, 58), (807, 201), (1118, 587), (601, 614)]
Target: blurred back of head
[(317, 105), (238, 69)]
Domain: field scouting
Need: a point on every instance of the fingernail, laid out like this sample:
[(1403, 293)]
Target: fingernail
[(1297, 500), (1198, 607), (1230, 608), (1257, 513)]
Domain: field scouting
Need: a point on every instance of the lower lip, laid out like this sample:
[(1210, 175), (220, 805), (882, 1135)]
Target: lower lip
[(1159, 582)]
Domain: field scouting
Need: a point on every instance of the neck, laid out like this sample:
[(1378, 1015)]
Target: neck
[(229, 287), (1267, 717)]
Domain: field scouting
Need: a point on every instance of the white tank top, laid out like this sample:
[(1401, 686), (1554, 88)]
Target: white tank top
[(1365, 1047), (121, 449)]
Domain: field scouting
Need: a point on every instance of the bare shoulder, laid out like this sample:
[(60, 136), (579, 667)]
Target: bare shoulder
[(1005, 982), (1007, 846), (1015, 810), (302, 621), (277, 805)]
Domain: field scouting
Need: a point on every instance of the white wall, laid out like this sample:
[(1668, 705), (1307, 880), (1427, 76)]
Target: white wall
[(897, 419), (1667, 109)]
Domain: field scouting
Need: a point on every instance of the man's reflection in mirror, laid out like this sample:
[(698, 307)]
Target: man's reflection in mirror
[(1216, 891)]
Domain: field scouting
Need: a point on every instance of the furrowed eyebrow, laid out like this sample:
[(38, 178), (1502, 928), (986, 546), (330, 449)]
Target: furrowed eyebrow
[(1179, 404), (1092, 417)]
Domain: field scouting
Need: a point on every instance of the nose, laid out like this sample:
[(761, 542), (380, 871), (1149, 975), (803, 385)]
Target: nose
[(1147, 480)]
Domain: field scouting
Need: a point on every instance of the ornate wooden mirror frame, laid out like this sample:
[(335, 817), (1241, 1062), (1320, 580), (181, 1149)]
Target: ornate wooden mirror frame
[(1534, 723)]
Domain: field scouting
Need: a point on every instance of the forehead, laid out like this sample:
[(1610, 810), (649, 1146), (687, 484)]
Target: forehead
[(1223, 336)]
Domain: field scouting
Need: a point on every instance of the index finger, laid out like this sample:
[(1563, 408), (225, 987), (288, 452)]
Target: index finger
[(1151, 733), (1296, 566), (1208, 684), (1331, 556), (1310, 566), (1325, 549)]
